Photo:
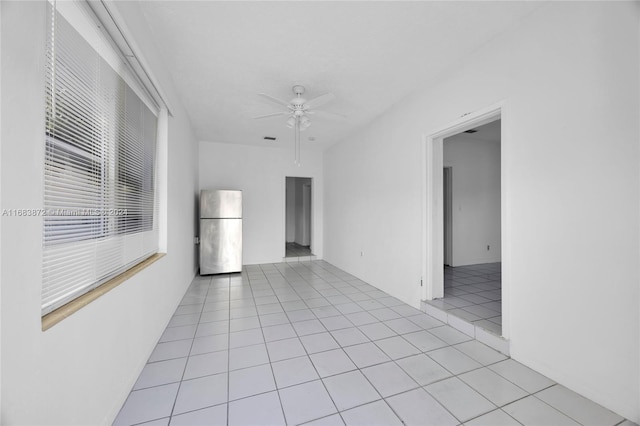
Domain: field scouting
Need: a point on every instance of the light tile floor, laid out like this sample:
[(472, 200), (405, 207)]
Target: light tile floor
[(473, 293), (296, 250), (307, 343)]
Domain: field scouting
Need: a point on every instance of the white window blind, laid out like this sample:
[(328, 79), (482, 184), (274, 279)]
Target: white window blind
[(100, 196)]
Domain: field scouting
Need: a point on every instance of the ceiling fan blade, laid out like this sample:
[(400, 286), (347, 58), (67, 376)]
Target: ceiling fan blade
[(327, 114), (274, 100), (274, 114), (320, 100)]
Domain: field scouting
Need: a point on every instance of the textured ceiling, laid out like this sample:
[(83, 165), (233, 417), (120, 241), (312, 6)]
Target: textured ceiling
[(371, 55)]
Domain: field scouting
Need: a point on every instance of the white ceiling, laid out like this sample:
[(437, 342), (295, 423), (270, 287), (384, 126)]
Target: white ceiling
[(369, 54)]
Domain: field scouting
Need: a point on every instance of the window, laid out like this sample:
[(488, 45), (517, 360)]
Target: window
[(100, 200)]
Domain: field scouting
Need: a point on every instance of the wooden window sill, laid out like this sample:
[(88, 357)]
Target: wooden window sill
[(54, 317)]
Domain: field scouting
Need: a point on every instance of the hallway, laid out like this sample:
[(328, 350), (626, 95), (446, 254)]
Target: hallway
[(474, 293), (296, 250), (308, 342)]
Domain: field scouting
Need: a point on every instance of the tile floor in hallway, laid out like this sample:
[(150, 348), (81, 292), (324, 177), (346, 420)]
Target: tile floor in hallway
[(474, 293), (297, 250), (308, 343)]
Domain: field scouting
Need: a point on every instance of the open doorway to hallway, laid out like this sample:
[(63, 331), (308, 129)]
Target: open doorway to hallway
[(298, 217), (472, 226)]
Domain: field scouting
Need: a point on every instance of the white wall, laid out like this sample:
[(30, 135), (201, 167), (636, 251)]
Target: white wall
[(81, 370), (475, 169), (261, 174), (568, 75)]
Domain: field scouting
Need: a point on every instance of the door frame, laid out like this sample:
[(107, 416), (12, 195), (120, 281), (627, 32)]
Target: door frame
[(312, 215), (432, 203), (447, 204), (307, 208)]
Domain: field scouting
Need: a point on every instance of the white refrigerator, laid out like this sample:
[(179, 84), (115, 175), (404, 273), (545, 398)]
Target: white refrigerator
[(220, 231)]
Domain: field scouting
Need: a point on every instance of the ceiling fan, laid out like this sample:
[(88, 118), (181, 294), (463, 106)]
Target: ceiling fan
[(298, 111)]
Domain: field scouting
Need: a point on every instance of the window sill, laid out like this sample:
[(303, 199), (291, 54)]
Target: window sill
[(74, 306)]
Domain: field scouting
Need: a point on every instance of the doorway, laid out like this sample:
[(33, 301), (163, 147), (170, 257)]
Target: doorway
[(472, 222), (298, 216), (434, 229)]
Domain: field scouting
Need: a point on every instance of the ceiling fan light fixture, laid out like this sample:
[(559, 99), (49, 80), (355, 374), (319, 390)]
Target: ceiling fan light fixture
[(291, 122), (304, 122)]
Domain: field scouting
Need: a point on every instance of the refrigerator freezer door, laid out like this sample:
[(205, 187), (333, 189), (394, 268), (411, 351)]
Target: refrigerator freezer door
[(220, 246), (220, 204)]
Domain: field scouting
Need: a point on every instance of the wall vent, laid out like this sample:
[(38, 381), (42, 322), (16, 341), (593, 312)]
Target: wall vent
[(269, 138)]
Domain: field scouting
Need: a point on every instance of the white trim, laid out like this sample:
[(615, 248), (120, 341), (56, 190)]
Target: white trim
[(432, 201), (83, 18), (312, 216), (113, 24), (283, 244), (1, 206), (448, 253), (162, 179)]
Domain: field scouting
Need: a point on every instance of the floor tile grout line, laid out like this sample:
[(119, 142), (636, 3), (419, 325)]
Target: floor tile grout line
[(275, 383), (528, 394), (400, 367), (448, 410), (473, 272), (379, 392), (175, 401), (228, 352), (363, 375), (317, 373), (492, 411), (547, 404), (321, 379), (556, 408), (408, 375), (452, 373), (342, 347), (299, 288)]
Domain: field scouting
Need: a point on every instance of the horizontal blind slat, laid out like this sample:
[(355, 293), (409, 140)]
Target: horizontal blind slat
[(100, 194)]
